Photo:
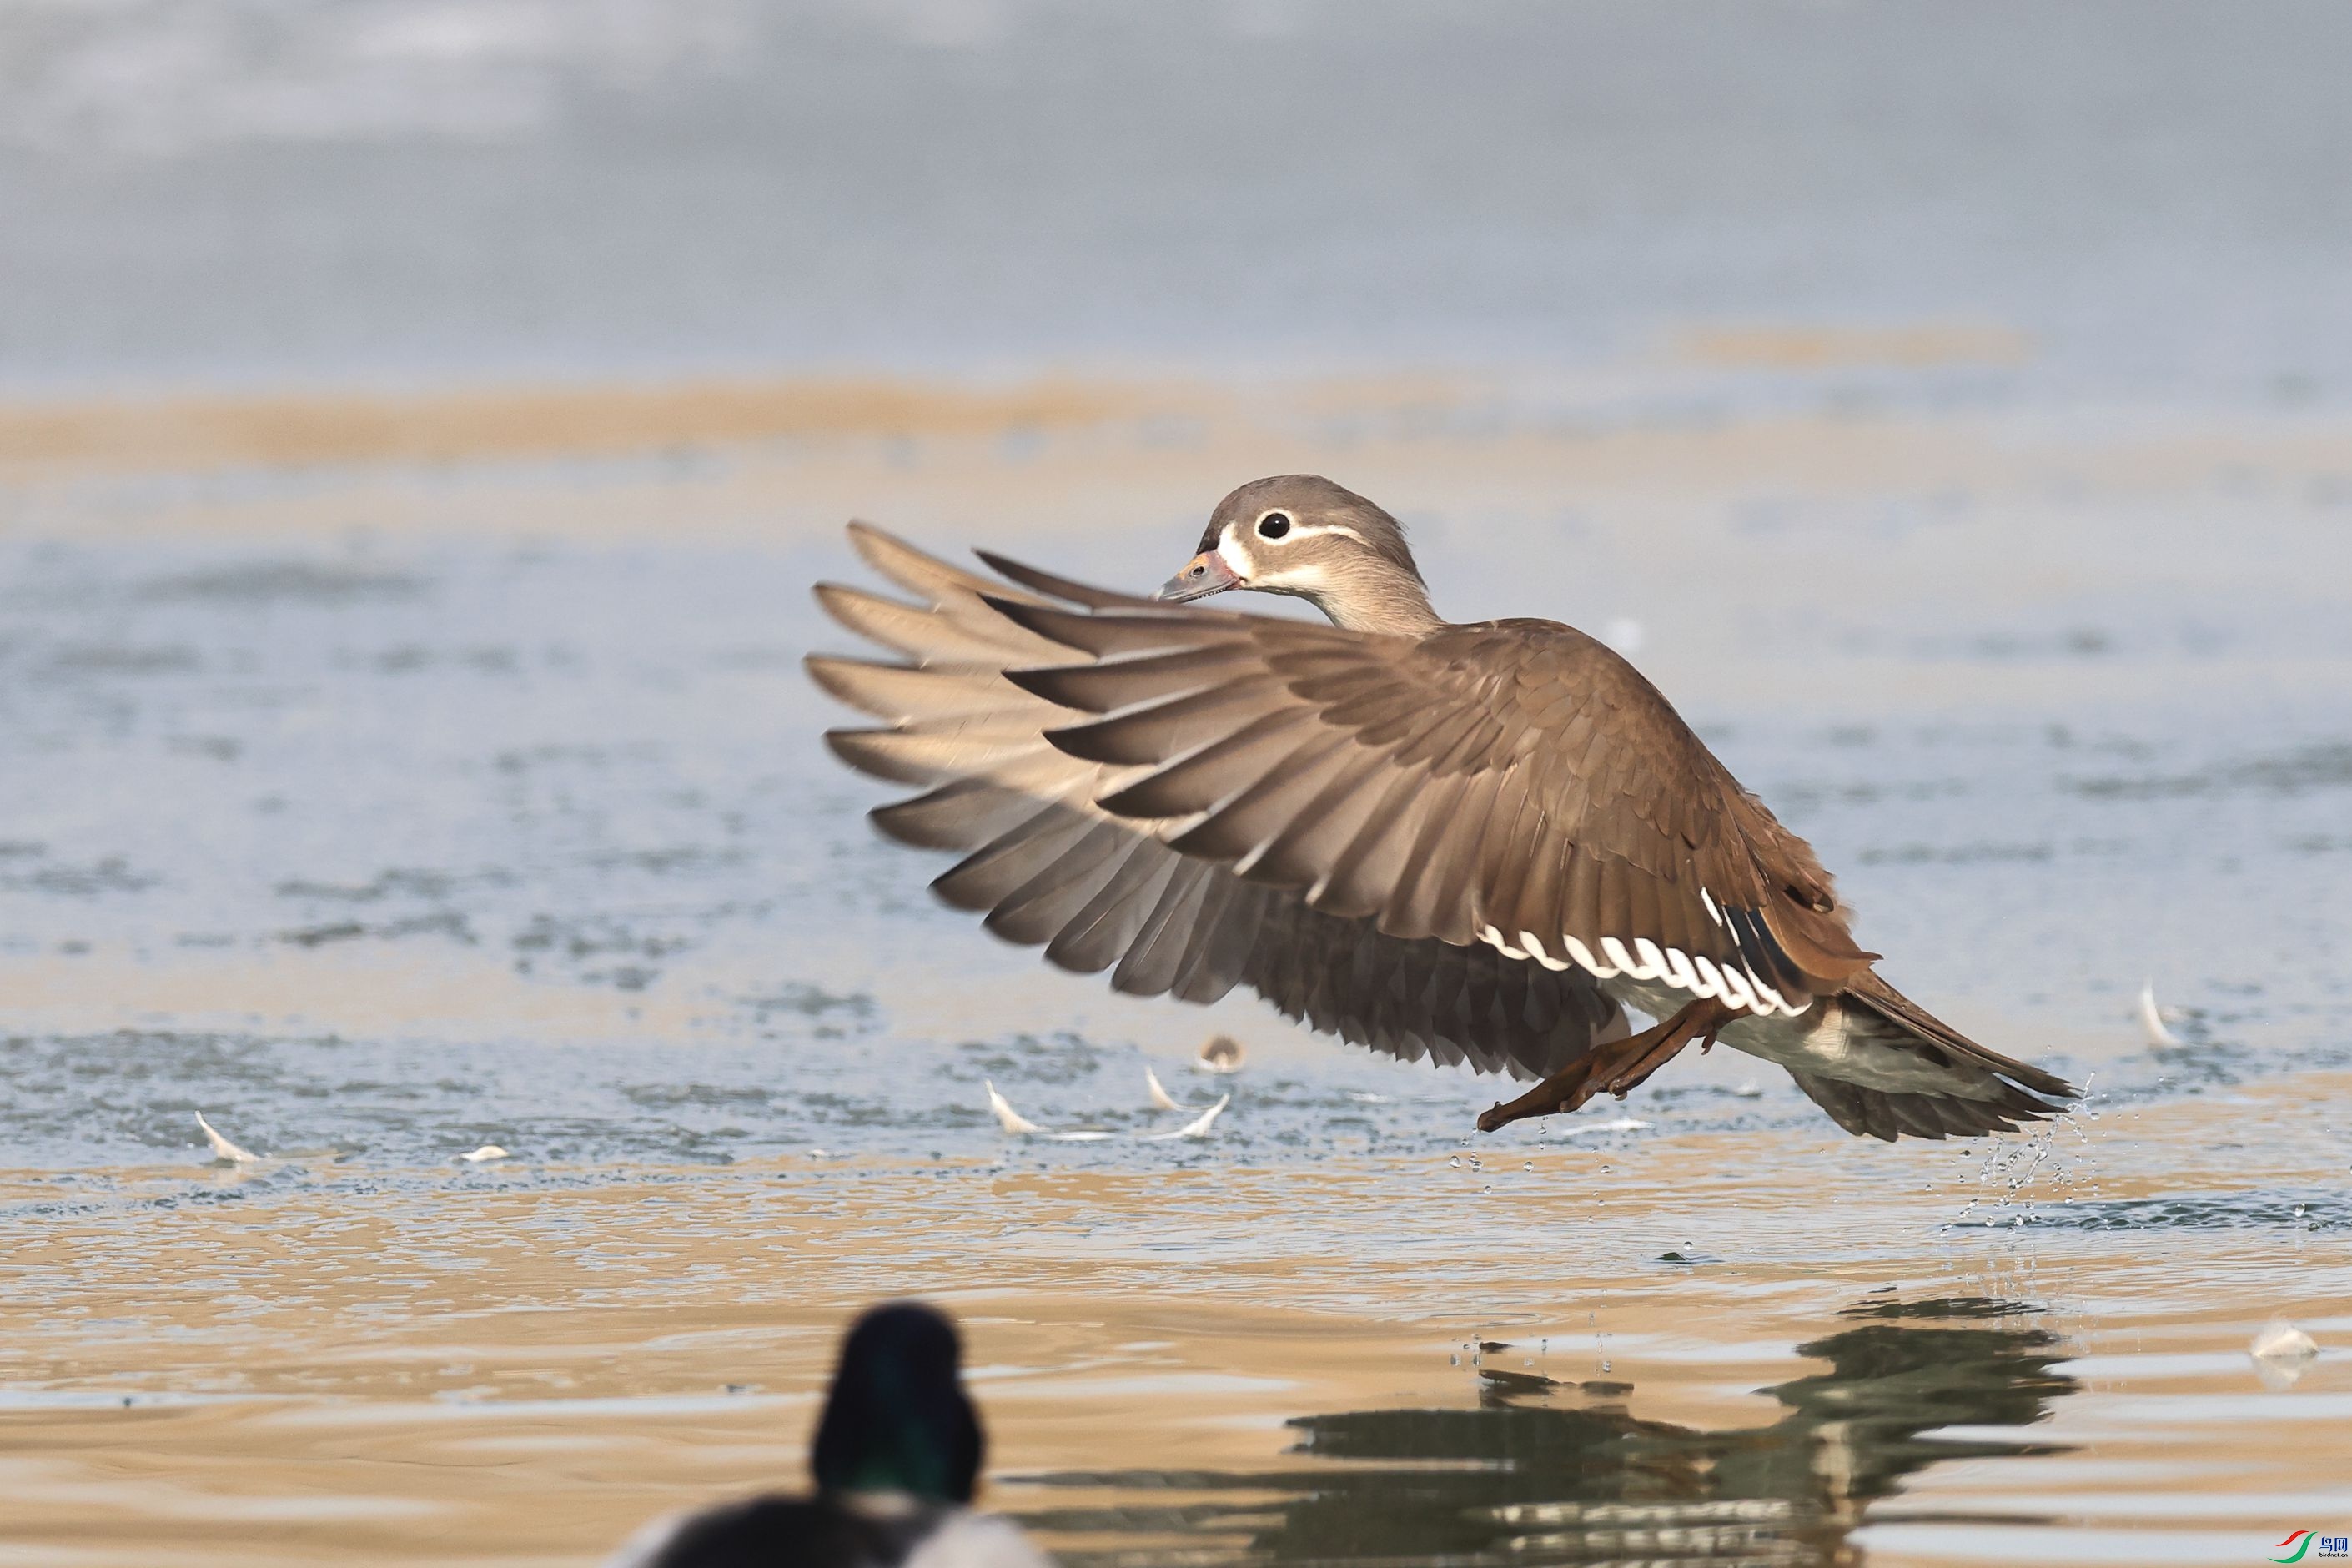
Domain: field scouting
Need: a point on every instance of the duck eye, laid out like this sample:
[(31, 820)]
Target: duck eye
[(1273, 525)]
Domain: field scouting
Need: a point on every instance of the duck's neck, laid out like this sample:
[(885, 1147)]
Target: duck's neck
[(1377, 596)]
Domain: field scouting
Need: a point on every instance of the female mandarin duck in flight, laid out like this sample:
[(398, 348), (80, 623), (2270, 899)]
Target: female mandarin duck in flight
[(1481, 841)]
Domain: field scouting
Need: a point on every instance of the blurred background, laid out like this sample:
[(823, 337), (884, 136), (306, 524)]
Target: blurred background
[(421, 422), (2100, 199)]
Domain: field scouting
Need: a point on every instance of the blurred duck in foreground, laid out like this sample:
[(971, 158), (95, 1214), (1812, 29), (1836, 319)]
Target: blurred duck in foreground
[(898, 1452), (1483, 842)]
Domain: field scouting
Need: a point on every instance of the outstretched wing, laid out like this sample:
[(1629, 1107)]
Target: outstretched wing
[(1112, 887), (1513, 783)]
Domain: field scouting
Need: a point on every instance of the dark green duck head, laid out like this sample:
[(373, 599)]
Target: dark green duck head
[(896, 1419)]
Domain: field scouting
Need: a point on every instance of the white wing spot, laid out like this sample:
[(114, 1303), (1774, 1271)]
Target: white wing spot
[(1648, 951), (1536, 951), (1710, 979), (1738, 988), (1773, 998), (1584, 955), (1493, 939), (1737, 992)]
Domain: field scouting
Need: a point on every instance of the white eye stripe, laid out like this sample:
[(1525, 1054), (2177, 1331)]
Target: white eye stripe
[(1298, 530), (1317, 530)]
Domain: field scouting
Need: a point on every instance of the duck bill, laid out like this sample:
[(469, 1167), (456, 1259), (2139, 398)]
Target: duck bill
[(1205, 574)]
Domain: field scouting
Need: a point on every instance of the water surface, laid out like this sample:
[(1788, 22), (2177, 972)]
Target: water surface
[(382, 810), (425, 423)]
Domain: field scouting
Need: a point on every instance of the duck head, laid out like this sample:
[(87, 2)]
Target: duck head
[(1302, 535), (896, 1419)]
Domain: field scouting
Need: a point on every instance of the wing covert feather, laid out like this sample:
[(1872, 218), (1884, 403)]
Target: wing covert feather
[(1438, 848), (1020, 749)]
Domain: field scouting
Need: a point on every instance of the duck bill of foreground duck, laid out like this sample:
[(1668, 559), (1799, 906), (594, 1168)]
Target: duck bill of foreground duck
[(1480, 842)]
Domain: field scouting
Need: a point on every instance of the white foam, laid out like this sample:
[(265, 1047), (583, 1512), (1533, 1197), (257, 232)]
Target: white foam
[(1621, 1124), (2282, 1340)]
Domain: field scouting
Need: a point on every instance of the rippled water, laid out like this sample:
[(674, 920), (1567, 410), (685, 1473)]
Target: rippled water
[(384, 813), (1543, 1469), (583, 785), (1945, 405)]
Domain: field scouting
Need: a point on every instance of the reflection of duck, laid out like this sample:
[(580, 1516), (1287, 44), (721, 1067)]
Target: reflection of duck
[(897, 1453), (1526, 1478), (1480, 841)]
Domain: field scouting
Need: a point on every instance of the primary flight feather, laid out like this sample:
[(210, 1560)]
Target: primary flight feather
[(1474, 842)]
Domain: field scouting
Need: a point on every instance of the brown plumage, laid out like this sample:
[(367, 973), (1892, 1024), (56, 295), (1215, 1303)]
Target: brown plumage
[(1468, 842)]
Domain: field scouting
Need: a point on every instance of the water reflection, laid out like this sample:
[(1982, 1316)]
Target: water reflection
[(1544, 1471)]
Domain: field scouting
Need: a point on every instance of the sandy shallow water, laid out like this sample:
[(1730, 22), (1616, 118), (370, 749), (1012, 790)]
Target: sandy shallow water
[(441, 773), (1357, 1360)]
